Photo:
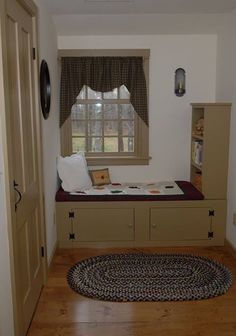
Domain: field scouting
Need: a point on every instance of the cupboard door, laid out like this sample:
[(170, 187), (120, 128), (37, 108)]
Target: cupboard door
[(179, 224), (103, 225)]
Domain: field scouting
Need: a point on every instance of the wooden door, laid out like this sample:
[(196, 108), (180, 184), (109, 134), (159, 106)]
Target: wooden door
[(24, 161)]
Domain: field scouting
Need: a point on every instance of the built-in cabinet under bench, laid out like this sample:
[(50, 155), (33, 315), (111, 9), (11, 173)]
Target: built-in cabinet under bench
[(140, 222)]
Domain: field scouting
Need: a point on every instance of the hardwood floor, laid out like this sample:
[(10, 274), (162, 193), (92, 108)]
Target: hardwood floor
[(61, 312)]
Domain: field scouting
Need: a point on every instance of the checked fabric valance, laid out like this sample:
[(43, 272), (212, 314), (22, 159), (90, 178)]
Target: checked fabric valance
[(103, 74)]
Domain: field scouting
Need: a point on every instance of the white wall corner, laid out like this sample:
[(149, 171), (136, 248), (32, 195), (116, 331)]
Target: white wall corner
[(226, 91)]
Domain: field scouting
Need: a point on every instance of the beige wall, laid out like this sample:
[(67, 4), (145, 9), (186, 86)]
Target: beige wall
[(130, 24), (50, 127), (226, 91)]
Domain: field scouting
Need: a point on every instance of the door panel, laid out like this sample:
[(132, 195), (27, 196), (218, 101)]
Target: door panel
[(103, 224), (27, 107), (23, 239), (35, 258), (27, 237), (15, 99), (179, 224)]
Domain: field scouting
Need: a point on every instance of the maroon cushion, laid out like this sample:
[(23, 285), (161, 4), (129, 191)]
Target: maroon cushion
[(190, 193)]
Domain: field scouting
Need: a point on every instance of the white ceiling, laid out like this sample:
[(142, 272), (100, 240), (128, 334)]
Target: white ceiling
[(83, 7)]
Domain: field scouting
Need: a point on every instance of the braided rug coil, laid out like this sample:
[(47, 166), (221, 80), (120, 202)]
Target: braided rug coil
[(149, 277)]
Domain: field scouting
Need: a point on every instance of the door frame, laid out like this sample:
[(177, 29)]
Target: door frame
[(32, 9)]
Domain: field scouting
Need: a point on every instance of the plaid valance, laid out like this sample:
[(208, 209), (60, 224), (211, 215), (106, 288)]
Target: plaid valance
[(103, 74)]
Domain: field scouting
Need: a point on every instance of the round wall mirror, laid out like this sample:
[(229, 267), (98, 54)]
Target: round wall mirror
[(45, 89)]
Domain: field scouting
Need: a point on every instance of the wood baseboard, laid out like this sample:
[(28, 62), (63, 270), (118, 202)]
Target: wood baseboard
[(230, 248)]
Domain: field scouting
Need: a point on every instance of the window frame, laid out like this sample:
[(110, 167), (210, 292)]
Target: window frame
[(105, 101), (141, 154)]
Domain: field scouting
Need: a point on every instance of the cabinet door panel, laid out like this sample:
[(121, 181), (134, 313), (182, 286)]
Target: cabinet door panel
[(103, 224), (179, 224)]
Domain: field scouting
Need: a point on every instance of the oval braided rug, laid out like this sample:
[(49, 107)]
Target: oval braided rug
[(149, 277)]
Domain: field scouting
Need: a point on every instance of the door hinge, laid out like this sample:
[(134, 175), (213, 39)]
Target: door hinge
[(34, 53), (211, 213), (42, 251), (71, 214), (210, 234), (71, 236)]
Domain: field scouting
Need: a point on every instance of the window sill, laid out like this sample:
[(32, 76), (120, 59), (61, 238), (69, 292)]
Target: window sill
[(117, 161)]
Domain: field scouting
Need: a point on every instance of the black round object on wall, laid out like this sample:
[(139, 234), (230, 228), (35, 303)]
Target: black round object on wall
[(45, 89)]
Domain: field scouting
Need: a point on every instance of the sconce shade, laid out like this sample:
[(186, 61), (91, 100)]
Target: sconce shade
[(180, 85)]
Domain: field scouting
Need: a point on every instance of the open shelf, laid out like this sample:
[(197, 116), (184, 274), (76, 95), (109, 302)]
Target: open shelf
[(196, 166), (197, 137), (214, 120)]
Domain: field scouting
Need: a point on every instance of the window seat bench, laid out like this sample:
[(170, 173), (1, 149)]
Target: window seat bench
[(140, 220)]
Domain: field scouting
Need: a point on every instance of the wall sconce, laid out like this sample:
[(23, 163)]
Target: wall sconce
[(180, 82)]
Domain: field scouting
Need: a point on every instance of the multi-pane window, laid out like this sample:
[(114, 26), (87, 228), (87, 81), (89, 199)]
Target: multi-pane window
[(104, 123)]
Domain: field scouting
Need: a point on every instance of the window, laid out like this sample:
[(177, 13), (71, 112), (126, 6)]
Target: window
[(104, 123)]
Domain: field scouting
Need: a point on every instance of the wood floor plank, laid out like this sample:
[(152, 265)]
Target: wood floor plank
[(137, 329), (62, 312)]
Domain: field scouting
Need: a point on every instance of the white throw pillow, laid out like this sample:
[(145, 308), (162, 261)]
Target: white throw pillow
[(73, 172)]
